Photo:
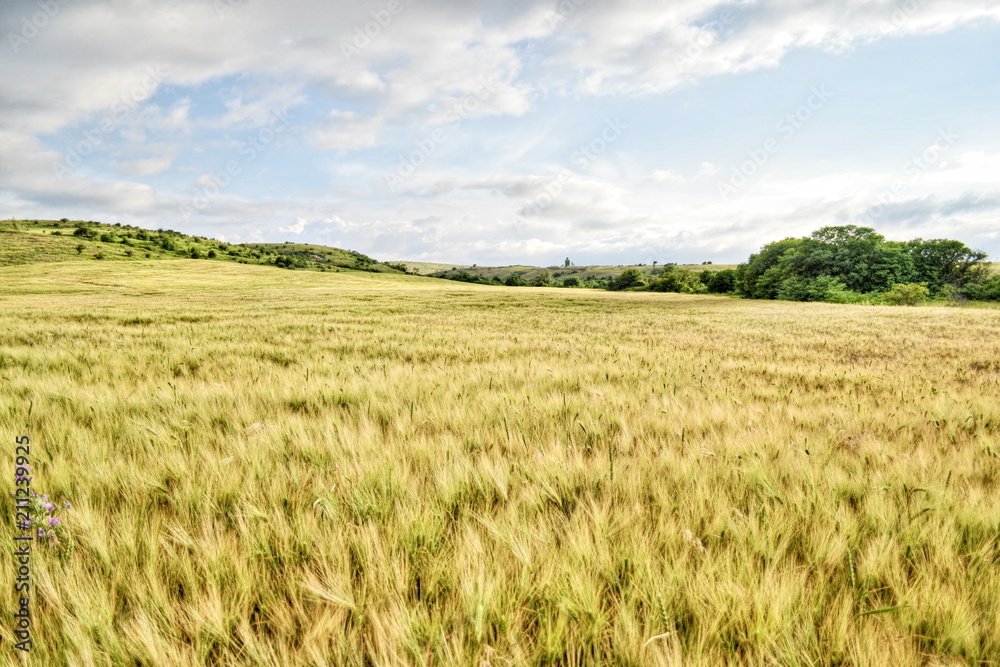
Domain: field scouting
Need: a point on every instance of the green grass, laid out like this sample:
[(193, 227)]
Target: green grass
[(303, 468), (34, 241)]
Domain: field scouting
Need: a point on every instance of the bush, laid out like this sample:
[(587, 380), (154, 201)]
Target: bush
[(721, 282), (906, 294), (543, 279), (629, 279), (823, 288), (80, 248), (571, 282), (515, 280), (985, 291), (212, 254), (673, 279), (84, 232)]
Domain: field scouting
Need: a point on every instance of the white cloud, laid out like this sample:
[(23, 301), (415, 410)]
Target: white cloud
[(297, 228)]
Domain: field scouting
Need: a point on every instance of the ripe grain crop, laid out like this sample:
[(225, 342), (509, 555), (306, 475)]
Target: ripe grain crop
[(286, 468)]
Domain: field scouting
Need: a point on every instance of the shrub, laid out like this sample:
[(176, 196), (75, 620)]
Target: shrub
[(571, 282), (628, 279), (515, 280), (84, 232), (543, 279), (823, 288), (721, 282), (673, 279), (906, 294), (985, 291), (80, 248), (99, 255), (212, 254)]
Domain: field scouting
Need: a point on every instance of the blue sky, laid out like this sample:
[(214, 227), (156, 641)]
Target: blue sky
[(500, 133)]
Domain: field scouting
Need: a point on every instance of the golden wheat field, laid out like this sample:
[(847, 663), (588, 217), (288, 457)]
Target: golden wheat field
[(270, 467)]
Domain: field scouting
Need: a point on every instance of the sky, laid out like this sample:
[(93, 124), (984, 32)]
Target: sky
[(506, 132)]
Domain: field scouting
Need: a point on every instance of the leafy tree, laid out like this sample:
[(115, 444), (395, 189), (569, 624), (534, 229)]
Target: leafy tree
[(567, 262), (857, 256), (673, 279), (860, 260), (988, 290), (761, 276), (543, 279), (628, 279), (515, 280), (941, 262), (572, 281), (721, 282), (823, 288)]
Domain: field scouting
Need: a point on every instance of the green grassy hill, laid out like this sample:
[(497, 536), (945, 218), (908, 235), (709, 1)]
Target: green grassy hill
[(34, 241)]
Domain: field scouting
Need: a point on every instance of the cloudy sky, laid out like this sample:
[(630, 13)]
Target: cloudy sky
[(508, 131)]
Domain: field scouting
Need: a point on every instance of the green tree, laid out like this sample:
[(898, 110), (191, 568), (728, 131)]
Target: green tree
[(941, 262), (628, 279), (673, 279), (543, 279), (515, 280), (760, 277), (721, 282)]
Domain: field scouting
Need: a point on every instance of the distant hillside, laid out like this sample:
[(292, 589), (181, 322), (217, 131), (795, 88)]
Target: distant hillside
[(34, 241), (529, 273)]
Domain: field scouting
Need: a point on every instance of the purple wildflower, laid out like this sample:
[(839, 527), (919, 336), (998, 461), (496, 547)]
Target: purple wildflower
[(54, 521)]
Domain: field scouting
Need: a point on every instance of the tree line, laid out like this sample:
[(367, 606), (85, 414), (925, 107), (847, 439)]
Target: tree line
[(839, 264)]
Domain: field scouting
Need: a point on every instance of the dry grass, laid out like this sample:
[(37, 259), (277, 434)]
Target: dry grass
[(285, 468)]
